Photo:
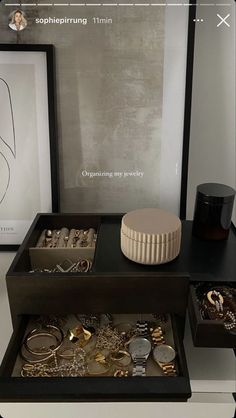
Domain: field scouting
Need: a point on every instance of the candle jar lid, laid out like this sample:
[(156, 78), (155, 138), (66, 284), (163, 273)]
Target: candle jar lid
[(215, 193)]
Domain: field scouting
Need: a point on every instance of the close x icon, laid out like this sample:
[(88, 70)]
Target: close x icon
[(223, 20)]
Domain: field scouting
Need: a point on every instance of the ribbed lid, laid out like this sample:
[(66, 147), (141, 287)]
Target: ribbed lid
[(151, 225), (215, 193)]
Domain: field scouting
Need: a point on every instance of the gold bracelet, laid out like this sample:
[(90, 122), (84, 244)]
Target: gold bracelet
[(41, 352), (36, 333), (32, 361)]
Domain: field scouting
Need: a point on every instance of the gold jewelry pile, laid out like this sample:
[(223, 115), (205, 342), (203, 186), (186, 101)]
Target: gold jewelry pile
[(93, 347), (67, 238), (81, 351), (218, 303)]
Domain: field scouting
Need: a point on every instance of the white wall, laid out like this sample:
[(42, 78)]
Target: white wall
[(212, 141), (176, 34)]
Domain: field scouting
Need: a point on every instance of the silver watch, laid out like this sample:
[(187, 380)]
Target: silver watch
[(139, 348)]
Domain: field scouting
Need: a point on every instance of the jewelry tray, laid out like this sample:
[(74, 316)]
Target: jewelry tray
[(152, 369), (102, 388), (48, 258)]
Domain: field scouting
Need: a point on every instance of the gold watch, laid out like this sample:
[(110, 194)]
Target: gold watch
[(163, 353)]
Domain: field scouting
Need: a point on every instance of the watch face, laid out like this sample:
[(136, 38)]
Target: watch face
[(140, 347), (164, 353)]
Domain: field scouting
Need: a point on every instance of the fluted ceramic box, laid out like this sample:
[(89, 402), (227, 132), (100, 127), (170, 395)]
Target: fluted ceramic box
[(150, 236)]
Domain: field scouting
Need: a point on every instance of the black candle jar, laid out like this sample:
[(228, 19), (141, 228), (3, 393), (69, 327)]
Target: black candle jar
[(213, 211)]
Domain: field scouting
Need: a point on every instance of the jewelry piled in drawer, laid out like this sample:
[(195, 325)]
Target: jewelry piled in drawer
[(115, 345), (212, 310)]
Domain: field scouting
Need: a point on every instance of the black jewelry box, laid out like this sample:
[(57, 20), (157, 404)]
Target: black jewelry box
[(115, 284), (109, 287)]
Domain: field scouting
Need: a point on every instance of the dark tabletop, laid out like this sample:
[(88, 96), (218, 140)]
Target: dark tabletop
[(203, 260)]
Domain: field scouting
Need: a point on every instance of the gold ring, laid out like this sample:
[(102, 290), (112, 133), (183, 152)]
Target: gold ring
[(104, 370), (121, 358), (121, 373)]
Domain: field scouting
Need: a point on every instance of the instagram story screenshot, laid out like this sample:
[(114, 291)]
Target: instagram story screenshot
[(117, 208)]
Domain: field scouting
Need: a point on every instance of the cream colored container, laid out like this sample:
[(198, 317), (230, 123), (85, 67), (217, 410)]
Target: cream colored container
[(150, 236)]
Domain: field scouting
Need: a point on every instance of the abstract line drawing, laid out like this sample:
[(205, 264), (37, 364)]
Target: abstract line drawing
[(8, 179), (28, 143), (4, 87)]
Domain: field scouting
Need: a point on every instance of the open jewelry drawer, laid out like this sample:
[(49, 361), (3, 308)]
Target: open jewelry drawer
[(154, 386), (213, 325)]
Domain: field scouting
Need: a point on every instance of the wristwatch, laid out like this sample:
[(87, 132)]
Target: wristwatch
[(163, 353), (139, 348)]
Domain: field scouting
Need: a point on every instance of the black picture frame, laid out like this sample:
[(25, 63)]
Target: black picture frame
[(188, 108), (49, 91)]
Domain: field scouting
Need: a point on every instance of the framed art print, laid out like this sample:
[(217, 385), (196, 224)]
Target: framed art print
[(28, 150), (124, 98), (124, 102)]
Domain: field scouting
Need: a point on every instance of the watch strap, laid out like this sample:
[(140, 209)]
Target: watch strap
[(157, 336), (168, 369), (139, 368), (142, 328)]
